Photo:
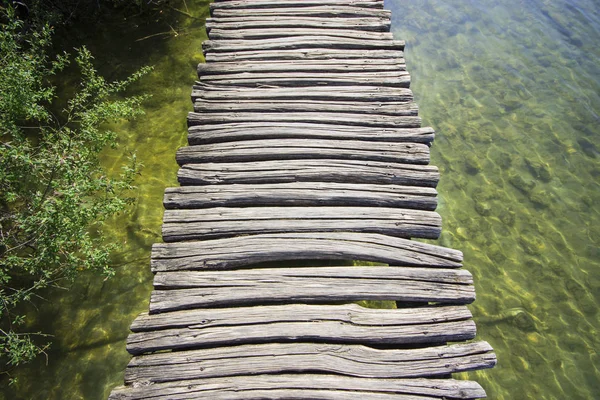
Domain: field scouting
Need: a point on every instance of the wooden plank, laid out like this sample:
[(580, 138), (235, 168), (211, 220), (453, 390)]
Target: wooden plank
[(299, 42), (344, 313), (244, 4), (376, 120), (300, 194), (381, 24), (238, 252), (341, 66), (194, 289), (271, 33), (339, 93), (325, 170), (218, 222), (208, 388), (350, 360), (325, 11), (298, 322), (303, 54), (352, 107), (296, 149), (299, 394), (297, 79)]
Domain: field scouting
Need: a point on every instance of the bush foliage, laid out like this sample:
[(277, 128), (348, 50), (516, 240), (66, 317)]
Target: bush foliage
[(54, 194)]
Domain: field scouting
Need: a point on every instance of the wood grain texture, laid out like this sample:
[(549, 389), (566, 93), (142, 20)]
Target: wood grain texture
[(300, 194), (350, 360), (298, 149), (271, 33), (298, 322), (345, 313), (243, 4), (376, 120), (377, 24), (351, 107), (342, 93), (309, 65), (313, 54), (242, 251), (326, 170), (299, 80), (319, 11), (247, 384), (299, 42), (211, 223), (193, 289)]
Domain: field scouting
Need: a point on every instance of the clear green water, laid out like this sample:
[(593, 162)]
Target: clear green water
[(512, 89)]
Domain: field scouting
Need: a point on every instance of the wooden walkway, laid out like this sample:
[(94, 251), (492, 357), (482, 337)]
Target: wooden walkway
[(304, 145)]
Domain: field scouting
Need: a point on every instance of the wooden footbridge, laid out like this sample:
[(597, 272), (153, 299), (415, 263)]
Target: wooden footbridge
[(304, 145)]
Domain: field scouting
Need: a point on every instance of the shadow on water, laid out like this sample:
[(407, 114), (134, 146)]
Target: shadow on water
[(512, 88), (90, 322)]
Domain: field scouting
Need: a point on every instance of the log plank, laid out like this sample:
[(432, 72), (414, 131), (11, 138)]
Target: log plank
[(244, 4), (210, 388), (350, 360), (304, 54), (300, 42), (300, 194), (381, 24), (343, 93), (271, 33), (325, 170), (211, 223), (376, 120), (349, 387), (318, 11), (296, 149), (237, 252), (343, 66), (298, 80)]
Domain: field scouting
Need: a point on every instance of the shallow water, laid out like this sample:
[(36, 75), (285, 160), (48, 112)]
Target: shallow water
[(512, 90)]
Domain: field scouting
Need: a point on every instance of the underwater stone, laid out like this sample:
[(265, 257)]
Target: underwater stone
[(531, 245), (540, 198), (588, 147), (472, 164), (483, 208), (517, 181), (508, 217), (524, 321), (539, 170)]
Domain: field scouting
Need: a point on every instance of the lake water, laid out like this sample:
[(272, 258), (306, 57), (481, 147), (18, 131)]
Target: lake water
[(512, 89)]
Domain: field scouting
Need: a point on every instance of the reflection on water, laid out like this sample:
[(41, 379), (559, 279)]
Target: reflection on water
[(512, 89)]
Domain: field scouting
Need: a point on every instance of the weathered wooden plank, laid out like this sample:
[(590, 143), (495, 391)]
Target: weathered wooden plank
[(298, 322), (299, 42), (326, 170), (218, 222), (193, 289), (319, 11), (375, 120), (296, 79), (350, 360), (301, 394), (381, 24), (244, 4), (271, 33), (237, 252), (304, 54), (341, 66), (341, 93), (300, 194), (295, 149), (208, 388), (351, 107), (345, 313)]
